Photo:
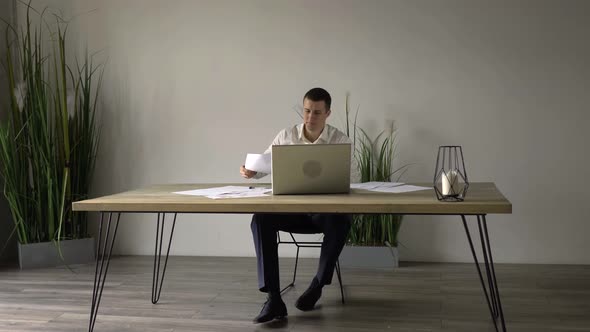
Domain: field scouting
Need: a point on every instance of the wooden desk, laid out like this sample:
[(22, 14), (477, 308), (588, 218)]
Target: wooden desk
[(481, 199)]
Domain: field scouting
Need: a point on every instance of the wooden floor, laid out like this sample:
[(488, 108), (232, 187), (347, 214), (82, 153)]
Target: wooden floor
[(220, 294)]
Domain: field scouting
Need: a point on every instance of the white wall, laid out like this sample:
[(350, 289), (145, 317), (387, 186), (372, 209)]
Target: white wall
[(191, 86)]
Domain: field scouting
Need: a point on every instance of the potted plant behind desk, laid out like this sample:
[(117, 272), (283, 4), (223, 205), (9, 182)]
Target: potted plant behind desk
[(48, 143), (372, 241)]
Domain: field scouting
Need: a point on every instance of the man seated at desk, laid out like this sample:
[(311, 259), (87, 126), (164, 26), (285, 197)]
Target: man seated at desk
[(335, 227)]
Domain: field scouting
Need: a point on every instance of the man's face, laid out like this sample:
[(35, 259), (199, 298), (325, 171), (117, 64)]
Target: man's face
[(315, 114)]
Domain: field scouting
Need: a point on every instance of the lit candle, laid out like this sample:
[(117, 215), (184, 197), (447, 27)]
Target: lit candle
[(450, 182)]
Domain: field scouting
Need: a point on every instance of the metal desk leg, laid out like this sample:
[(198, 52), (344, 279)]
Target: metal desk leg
[(158, 280), (491, 290), (103, 258)]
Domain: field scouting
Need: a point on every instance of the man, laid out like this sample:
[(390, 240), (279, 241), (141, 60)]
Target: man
[(313, 130)]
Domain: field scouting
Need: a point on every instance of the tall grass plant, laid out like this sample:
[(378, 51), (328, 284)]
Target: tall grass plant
[(49, 143), (374, 159)]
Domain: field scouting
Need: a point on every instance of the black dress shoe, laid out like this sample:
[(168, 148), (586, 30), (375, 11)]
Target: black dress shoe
[(308, 299), (274, 308)]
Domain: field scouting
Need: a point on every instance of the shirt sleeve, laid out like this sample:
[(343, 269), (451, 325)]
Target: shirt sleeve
[(279, 140)]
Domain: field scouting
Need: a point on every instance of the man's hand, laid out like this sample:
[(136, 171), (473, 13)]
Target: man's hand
[(246, 173)]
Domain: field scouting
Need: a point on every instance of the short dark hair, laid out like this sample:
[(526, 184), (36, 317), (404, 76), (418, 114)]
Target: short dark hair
[(319, 94)]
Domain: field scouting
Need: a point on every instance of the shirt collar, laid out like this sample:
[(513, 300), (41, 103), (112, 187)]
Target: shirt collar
[(322, 139)]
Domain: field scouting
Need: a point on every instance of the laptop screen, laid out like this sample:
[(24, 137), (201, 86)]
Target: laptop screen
[(311, 168)]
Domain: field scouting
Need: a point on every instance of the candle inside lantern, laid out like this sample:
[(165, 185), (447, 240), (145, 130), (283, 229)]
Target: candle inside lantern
[(450, 183)]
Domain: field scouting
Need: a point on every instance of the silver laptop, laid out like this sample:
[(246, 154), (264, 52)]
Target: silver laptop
[(310, 169)]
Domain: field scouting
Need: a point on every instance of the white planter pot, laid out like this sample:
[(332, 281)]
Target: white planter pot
[(46, 254), (385, 258)]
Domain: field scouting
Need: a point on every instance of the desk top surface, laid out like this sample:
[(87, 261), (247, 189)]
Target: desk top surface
[(481, 198)]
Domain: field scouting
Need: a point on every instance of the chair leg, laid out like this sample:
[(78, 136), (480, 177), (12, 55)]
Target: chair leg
[(306, 244), (292, 284), (295, 269), (340, 279)]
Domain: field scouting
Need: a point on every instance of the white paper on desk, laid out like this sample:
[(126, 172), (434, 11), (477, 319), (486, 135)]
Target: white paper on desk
[(400, 189), (374, 185), (258, 162), (256, 192), (213, 191), (227, 192)]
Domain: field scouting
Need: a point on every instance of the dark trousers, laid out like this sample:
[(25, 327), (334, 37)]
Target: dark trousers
[(264, 231)]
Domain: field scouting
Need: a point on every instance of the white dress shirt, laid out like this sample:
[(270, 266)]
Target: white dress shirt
[(295, 135)]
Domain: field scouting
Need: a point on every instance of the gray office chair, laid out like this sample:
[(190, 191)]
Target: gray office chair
[(307, 244)]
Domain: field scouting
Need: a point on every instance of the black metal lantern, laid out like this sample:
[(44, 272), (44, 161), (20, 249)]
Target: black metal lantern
[(450, 177)]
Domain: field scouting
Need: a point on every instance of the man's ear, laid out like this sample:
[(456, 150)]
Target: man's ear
[(328, 112)]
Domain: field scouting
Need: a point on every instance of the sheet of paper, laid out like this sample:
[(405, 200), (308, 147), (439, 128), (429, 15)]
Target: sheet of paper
[(374, 185), (210, 191), (257, 192), (400, 189), (258, 162), (227, 192)]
